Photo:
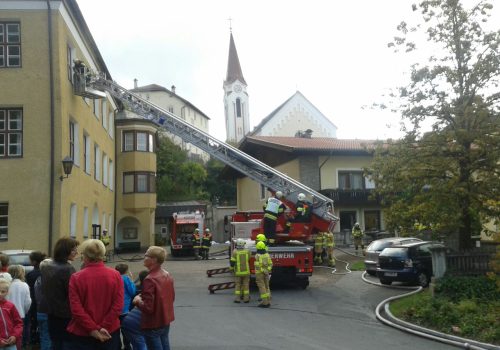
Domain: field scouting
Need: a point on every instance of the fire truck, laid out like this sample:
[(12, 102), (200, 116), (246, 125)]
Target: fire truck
[(181, 234), (292, 252)]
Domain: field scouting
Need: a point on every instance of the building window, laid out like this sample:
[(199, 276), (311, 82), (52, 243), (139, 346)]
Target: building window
[(139, 182), (105, 169), (110, 225), (171, 109), (72, 220), (95, 104), (372, 220), (104, 113), (85, 222), (111, 175), (11, 132), (72, 140), (351, 180), (10, 44), (238, 108), (86, 153), (97, 162), (141, 141), (263, 192), (70, 53), (4, 221)]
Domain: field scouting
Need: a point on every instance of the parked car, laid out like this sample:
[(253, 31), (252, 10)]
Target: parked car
[(19, 257), (375, 248), (406, 263)]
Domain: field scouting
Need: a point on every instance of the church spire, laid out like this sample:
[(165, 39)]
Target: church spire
[(233, 64)]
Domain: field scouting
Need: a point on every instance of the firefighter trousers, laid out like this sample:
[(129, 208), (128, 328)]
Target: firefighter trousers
[(329, 255), (262, 281), (242, 288)]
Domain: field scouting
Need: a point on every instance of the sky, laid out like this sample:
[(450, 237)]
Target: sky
[(334, 52)]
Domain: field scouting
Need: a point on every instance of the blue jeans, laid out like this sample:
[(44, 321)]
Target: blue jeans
[(43, 329), (131, 328), (157, 339)]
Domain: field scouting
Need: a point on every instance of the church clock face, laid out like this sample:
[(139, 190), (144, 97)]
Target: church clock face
[(237, 88)]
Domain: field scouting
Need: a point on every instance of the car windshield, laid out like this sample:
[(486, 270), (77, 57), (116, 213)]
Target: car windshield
[(378, 245), (395, 252), (19, 260)]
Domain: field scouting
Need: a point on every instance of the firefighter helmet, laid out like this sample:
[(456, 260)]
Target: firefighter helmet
[(260, 246), (261, 238), (301, 197), (207, 230), (240, 244), (279, 194), (196, 230)]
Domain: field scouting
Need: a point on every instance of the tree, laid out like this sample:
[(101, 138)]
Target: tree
[(447, 178), (220, 191), (169, 177)]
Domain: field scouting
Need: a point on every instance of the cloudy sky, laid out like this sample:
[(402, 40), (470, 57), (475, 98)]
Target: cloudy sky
[(334, 52)]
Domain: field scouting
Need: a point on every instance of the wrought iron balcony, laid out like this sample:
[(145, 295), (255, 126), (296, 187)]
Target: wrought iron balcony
[(354, 197)]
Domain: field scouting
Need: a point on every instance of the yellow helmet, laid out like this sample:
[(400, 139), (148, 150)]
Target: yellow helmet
[(261, 238), (260, 246)]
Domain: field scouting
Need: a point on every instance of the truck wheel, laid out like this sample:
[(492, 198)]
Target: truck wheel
[(385, 282), (303, 283)]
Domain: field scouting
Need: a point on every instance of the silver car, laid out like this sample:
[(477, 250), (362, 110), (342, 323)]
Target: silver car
[(376, 247), (19, 257)]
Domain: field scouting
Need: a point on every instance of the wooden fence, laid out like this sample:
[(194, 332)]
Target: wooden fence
[(468, 264)]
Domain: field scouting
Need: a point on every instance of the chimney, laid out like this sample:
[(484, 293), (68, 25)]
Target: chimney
[(173, 88), (135, 83)]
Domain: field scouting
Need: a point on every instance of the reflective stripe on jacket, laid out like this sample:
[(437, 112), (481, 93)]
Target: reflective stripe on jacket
[(263, 263), (206, 240), (196, 240), (240, 262)]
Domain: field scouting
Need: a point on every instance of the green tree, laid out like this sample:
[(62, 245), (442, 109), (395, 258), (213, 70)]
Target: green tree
[(447, 178), (219, 190), (193, 178), (169, 177)]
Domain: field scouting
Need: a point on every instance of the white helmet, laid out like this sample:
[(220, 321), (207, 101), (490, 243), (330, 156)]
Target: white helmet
[(240, 244), (301, 197), (207, 230), (279, 194)]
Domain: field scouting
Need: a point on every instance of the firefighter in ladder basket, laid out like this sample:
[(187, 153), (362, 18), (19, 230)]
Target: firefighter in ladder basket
[(272, 209)]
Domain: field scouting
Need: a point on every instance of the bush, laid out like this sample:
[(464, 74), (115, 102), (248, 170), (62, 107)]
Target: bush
[(460, 288)]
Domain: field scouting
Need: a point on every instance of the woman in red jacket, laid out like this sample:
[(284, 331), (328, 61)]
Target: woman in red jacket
[(11, 324)]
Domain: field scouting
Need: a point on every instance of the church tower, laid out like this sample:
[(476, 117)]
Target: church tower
[(236, 108)]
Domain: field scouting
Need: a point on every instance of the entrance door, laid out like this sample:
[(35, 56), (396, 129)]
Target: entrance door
[(347, 220)]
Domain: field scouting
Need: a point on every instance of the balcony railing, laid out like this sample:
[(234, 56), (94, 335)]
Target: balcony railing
[(345, 197)]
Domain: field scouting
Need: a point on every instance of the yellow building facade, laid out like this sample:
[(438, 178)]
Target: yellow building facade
[(43, 122)]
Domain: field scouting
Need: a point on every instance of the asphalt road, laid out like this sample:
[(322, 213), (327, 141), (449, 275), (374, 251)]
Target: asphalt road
[(334, 312)]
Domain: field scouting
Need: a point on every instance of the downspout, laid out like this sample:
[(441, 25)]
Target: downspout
[(115, 226), (319, 169), (52, 122)]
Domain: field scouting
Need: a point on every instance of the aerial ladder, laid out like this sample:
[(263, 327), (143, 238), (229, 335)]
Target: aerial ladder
[(92, 85)]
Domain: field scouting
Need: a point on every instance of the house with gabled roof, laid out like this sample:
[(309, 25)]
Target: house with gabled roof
[(296, 116), (331, 166)]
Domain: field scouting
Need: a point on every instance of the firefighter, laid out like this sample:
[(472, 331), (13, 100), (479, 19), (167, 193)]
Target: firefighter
[(303, 209), (357, 235), (196, 244), (105, 238), (263, 268), (318, 248), (272, 209), (206, 243), (328, 244), (240, 264)]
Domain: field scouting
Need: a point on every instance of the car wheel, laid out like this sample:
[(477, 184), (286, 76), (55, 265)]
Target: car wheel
[(371, 273), (422, 279), (385, 282), (174, 252)]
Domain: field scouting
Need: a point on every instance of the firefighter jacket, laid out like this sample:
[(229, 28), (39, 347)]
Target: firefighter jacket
[(303, 211), (105, 240), (263, 263), (206, 240), (240, 262), (273, 207), (196, 240), (328, 240), (357, 232)]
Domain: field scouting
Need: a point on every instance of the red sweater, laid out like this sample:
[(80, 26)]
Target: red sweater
[(158, 296), (95, 299), (13, 325)]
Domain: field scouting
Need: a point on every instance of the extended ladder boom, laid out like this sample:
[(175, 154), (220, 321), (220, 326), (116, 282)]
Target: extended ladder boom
[(229, 155)]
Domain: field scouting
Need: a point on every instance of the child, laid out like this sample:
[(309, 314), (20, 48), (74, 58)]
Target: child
[(13, 326), (128, 294), (19, 295)]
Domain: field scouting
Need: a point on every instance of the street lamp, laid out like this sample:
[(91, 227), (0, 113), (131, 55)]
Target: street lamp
[(67, 166)]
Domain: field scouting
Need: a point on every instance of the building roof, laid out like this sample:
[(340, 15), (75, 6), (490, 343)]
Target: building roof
[(292, 144), (233, 64), (167, 209), (159, 88)]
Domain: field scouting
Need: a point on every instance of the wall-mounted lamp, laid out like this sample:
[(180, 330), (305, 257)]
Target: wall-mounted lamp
[(67, 166)]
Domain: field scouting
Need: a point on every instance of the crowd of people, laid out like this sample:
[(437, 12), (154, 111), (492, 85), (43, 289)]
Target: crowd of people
[(97, 307)]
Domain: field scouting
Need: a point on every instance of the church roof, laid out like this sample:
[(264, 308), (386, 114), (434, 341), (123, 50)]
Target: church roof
[(233, 64), (156, 88), (293, 144)]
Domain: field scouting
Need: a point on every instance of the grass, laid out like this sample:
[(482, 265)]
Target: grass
[(357, 266), (469, 318)]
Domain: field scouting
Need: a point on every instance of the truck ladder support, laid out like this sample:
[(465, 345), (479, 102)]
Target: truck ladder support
[(229, 155)]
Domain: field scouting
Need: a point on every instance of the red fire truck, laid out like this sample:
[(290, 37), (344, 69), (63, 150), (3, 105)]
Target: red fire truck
[(181, 234)]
